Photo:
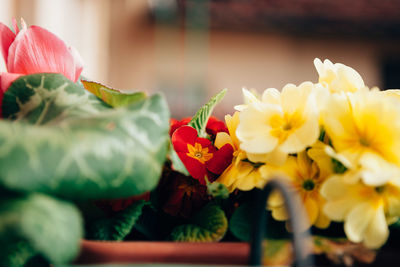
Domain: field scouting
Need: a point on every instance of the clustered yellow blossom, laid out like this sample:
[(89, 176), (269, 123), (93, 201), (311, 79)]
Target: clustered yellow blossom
[(336, 142)]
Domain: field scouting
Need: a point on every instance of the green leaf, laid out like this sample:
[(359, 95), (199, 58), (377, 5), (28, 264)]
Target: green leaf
[(119, 225), (16, 253), (208, 225), (37, 223), (200, 119), (241, 224), (48, 99), (217, 190), (177, 164), (109, 153), (113, 97)]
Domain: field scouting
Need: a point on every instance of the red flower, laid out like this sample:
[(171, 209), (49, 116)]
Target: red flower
[(199, 155), (175, 124), (213, 127), (180, 195)]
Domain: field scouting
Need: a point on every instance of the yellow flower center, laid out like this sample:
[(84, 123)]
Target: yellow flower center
[(199, 153), (364, 142), (283, 126)]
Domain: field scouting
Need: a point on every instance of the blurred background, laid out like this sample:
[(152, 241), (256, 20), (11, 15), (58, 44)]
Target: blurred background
[(191, 49)]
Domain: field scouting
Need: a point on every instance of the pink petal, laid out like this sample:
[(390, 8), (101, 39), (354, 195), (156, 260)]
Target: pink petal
[(15, 25), (36, 50), (6, 79), (78, 62), (6, 39)]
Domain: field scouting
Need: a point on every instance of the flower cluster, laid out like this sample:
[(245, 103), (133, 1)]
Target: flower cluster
[(336, 141)]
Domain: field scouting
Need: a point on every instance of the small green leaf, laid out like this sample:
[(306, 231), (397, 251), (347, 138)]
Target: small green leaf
[(119, 225), (113, 97), (208, 225), (50, 227), (217, 190), (200, 119), (177, 164)]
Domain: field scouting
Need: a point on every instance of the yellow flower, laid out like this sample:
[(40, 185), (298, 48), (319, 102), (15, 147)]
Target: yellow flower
[(240, 174), (306, 177), (365, 122), (338, 77), (279, 124), (249, 97), (366, 210)]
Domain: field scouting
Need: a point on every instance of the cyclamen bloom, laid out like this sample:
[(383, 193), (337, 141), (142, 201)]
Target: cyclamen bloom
[(35, 50), (199, 155)]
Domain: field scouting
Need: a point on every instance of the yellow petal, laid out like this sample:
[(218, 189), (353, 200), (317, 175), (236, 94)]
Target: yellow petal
[(312, 209), (337, 210), (377, 232), (272, 96), (232, 123), (275, 157), (358, 220), (275, 199), (322, 221), (279, 213), (334, 188), (222, 139)]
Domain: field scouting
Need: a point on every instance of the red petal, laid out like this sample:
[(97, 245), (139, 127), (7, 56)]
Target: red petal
[(221, 159), (175, 124), (36, 50), (174, 203), (6, 39), (196, 169), (183, 136), (215, 126), (204, 142)]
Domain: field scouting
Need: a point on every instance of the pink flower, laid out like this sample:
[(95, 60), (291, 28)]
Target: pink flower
[(35, 50)]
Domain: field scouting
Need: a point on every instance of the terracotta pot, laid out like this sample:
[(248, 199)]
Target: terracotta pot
[(99, 252)]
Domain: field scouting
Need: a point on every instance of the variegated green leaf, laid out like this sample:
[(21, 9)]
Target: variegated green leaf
[(113, 97), (200, 119), (48, 99), (118, 226), (105, 153), (37, 223), (208, 225)]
